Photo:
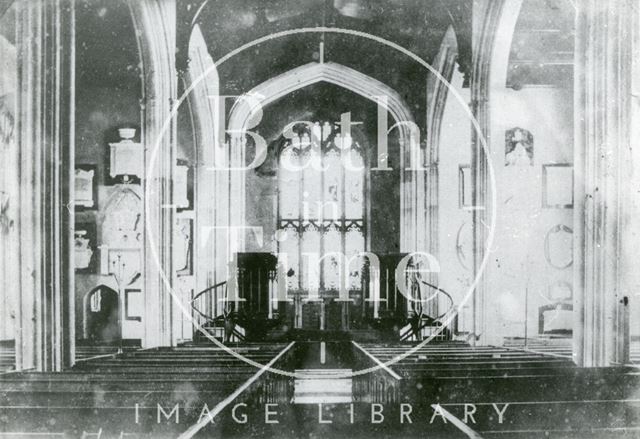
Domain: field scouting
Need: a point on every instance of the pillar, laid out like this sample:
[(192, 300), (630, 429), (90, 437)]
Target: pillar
[(605, 181), (155, 24), (203, 77), (40, 248), (437, 92), (486, 17)]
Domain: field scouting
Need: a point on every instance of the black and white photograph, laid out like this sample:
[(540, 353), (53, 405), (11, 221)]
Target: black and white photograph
[(320, 219)]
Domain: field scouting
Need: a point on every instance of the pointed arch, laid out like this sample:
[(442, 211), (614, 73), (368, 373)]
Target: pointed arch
[(300, 77), (244, 110)]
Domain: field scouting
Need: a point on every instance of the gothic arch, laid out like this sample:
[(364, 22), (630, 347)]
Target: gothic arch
[(308, 74), (356, 82)]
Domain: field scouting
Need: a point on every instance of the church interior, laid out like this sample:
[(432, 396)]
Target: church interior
[(296, 218)]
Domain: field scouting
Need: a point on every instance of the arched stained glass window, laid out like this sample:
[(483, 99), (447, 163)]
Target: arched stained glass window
[(321, 208)]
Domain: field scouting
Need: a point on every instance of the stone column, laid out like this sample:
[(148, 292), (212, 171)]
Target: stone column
[(155, 23), (486, 17), (41, 193), (606, 181), (437, 92), (202, 77)]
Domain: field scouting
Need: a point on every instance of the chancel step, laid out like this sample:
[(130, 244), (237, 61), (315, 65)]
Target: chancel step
[(323, 386)]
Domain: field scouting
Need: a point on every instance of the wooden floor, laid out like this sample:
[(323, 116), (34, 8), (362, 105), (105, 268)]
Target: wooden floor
[(134, 393)]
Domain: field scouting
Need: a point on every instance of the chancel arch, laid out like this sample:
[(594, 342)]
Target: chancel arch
[(245, 112), (303, 76), (242, 118)]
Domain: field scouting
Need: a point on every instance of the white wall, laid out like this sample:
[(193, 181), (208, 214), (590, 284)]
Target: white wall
[(519, 276), (455, 150)]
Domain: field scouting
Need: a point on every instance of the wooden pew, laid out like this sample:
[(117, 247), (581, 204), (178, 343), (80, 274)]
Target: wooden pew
[(126, 392), (7, 355), (546, 392)]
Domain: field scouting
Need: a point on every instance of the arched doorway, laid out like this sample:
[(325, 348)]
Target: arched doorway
[(102, 315)]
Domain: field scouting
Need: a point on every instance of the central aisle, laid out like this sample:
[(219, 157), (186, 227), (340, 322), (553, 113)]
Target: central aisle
[(324, 375)]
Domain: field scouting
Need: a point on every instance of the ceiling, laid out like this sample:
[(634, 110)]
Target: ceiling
[(106, 45), (107, 52), (542, 49), (417, 25)]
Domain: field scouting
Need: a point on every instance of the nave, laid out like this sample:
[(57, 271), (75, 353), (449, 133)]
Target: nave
[(168, 392), (476, 190)]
